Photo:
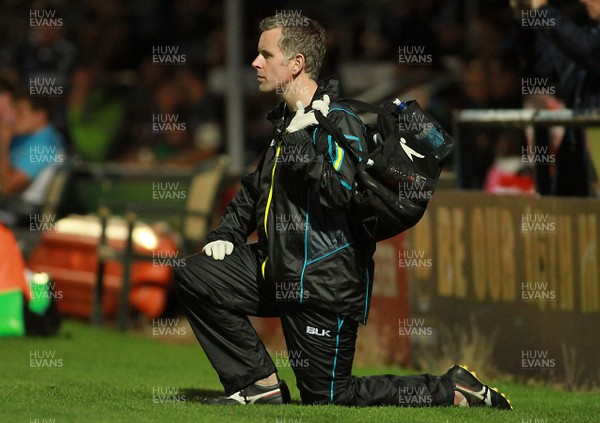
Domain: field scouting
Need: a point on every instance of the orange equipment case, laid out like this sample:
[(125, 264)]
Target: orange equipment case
[(69, 255)]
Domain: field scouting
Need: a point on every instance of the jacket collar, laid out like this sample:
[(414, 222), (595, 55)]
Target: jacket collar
[(329, 86)]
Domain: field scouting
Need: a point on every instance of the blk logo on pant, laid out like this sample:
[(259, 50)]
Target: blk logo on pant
[(318, 332)]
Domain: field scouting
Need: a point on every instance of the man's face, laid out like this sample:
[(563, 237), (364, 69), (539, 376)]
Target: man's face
[(593, 8), (27, 120), (272, 68)]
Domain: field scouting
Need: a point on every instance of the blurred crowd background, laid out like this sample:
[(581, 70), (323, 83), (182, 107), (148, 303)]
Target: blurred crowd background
[(102, 54)]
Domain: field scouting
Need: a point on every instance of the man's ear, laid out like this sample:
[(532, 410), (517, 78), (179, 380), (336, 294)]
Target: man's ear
[(298, 64)]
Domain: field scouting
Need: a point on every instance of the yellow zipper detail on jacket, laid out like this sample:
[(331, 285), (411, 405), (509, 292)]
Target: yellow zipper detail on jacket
[(269, 198), (262, 268), (271, 187)]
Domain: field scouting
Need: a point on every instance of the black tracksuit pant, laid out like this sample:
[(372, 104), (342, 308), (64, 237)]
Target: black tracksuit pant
[(219, 295)]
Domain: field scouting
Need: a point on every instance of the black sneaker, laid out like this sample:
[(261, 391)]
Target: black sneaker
[(477, 393), (256, 394)]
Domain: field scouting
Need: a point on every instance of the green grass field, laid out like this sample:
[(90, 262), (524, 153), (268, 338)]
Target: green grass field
[(100, 375)]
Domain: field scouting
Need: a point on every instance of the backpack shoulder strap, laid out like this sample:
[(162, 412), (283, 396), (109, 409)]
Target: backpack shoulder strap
[(364, 106), (335, 131)]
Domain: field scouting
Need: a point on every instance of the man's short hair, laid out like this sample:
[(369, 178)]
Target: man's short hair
[(300, 34)]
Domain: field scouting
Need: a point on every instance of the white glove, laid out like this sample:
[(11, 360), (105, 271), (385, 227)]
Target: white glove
[(218, 249), (303, 120), (322, 105)]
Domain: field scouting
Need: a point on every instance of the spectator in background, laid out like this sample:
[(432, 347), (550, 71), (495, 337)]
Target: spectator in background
[(450, 27), (30, 150), (7, 110), (141, 107), (569, 54), (504, 83), (477, 144), (105, 35), (202, 111), (509, 173), (45, 53), (7, 120), (487, 83), (161, 132), (96, 115), (158, 129), (476, 85), (179, 121), (46, 57)]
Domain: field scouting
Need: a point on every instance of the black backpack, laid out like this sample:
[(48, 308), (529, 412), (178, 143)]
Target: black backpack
[(395, 180)]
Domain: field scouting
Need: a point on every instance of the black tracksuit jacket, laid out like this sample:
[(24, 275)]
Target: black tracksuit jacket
[(298, 201)]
